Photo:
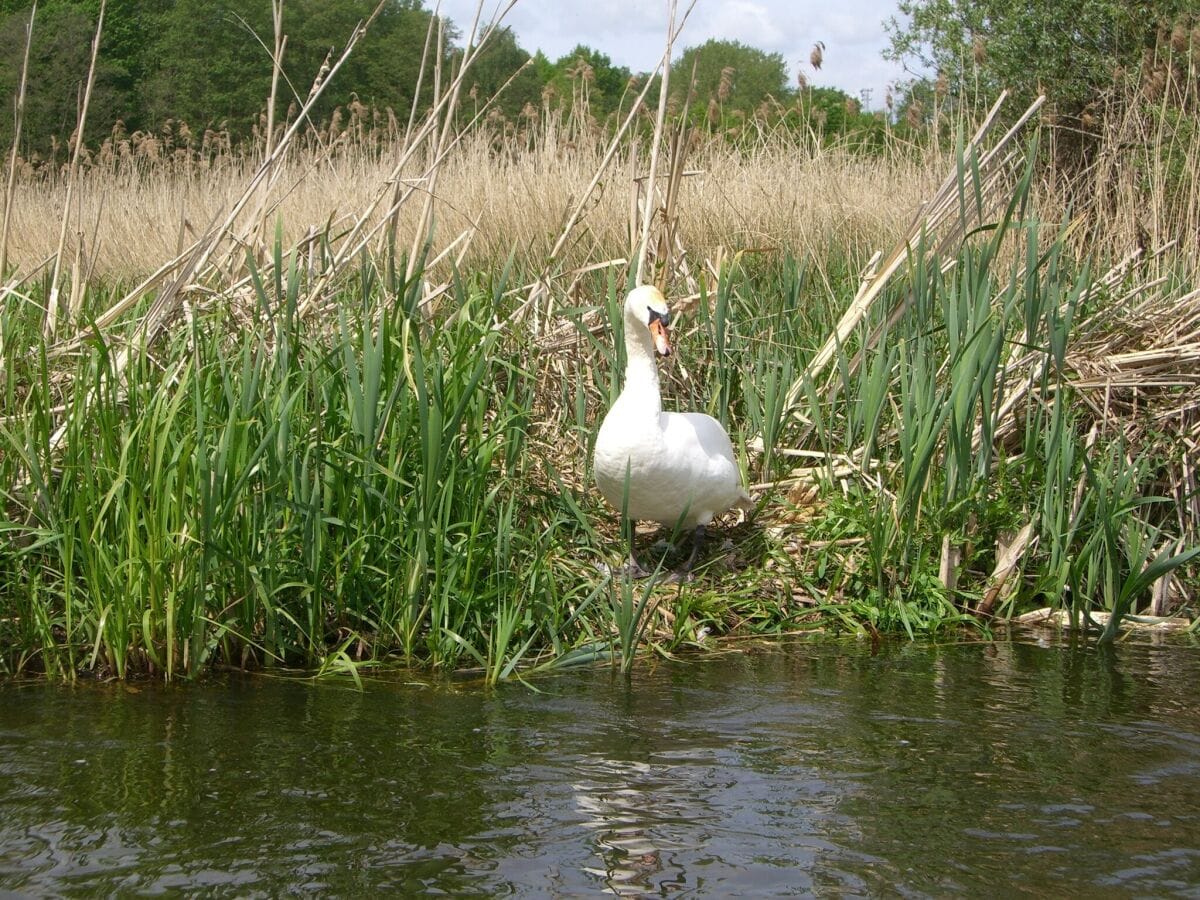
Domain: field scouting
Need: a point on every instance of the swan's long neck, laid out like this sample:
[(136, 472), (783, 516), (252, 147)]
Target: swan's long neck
[(640, 395)]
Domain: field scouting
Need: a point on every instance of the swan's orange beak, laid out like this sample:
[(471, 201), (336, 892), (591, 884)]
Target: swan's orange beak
[(661, 334)]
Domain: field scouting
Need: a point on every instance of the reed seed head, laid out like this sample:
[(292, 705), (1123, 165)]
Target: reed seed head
[(725, 84), (1179, 37)]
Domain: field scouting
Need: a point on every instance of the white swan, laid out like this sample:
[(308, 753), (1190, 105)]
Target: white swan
[(680, 467)]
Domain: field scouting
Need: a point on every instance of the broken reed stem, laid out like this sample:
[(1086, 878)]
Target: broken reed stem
[(680, 143), (169, 299), (418, 237), (434, 22), (942, 207), (52, 306), (540, 285), (412, 110), (357, 239), (655, 146), (19, 119), (448, 137)]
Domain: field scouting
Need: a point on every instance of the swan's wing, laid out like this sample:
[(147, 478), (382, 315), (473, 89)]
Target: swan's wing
[(697, 435)]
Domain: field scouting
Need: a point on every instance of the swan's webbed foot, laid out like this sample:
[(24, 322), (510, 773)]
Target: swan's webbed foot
[(682, 575), (631, 569)]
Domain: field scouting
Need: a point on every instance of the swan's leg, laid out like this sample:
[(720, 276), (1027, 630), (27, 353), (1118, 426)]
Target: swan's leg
[(697, 543), (633, 568)]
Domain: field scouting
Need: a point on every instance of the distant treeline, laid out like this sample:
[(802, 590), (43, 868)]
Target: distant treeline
[(190, 66)]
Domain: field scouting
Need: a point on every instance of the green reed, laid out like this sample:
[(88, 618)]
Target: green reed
[(945, 475), (315, 493)]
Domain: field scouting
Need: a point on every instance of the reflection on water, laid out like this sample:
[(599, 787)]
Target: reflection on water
[(815, 768)]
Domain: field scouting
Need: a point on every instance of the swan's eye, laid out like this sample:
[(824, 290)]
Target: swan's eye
[(656, 316)]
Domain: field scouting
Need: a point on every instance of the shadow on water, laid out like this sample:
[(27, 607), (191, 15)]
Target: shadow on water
[(818, 767)]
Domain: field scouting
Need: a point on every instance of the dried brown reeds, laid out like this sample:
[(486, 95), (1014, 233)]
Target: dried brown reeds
[(18, 121), (515, 198)]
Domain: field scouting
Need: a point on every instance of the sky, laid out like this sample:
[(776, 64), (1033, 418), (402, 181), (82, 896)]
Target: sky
[(633, 33)]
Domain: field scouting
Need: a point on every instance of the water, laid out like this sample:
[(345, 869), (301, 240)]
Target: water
[(815, 768)]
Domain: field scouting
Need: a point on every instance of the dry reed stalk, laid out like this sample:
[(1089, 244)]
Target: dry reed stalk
[(19, 120), (1142, 370), (448, 136), (434, 21), (730, 197), (1008, 558), (1143, 187), (169, 299), (430, 180), (540, 287), (670, 246), (276, 71), (52, 304)]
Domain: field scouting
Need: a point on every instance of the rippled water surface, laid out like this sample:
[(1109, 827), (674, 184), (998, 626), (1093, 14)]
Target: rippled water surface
[(814, 768)]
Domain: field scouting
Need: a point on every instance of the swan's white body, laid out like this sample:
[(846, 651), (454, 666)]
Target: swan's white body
[(680, 467)]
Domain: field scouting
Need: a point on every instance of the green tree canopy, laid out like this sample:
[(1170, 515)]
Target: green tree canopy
[(214, 69), (204, 62), (211, 71), (588, 72), (58, 64), (499, 60), (739, 77), (1069, 49)]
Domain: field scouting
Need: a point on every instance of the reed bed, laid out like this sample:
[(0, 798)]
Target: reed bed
[(330, 404), (134, 212)]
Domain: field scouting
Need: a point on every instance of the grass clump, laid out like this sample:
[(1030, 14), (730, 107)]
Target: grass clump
[(283, 492), (979, 471)]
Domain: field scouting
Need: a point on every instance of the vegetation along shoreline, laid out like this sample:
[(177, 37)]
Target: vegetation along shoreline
[(318, 385)]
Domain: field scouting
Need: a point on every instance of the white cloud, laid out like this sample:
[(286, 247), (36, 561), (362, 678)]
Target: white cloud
[(739, 20), (633, 32)]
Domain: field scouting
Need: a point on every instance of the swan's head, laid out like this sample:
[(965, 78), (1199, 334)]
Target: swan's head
[(647, 305)]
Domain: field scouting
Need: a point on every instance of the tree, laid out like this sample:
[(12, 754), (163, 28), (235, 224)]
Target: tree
[(215, 68), (58, 65), (205, 62), (1069, 49), (211, 71), (500, 58), (590, 73), (736, 76), (382, 71)]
